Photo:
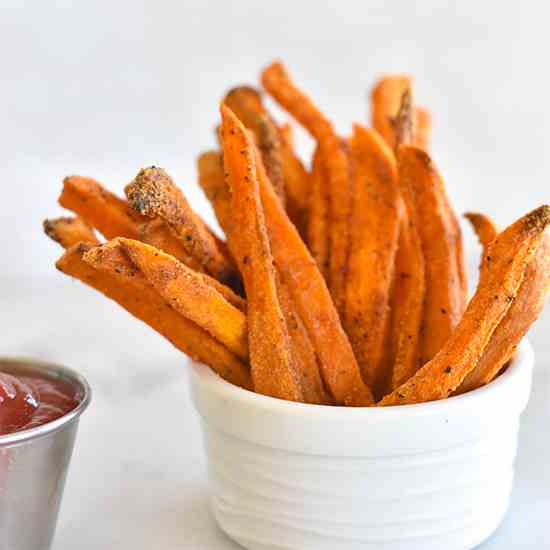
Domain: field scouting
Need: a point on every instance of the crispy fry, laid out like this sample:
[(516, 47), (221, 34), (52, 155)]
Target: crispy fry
[(386, 99), (184, 289), (133, 293), (502, 273), (301, 276), (408, 293), (100, 208), (408, 286), (272, 365), (374, 233), (302, 350), (212, 181), (485, 228), (403, 124), (423, 133), (317, 229), (279, 84), (523, 312), (68, 231), (157, 234), (154, 194), (246, 103), (297, 182), (443, 303), (286, 132)]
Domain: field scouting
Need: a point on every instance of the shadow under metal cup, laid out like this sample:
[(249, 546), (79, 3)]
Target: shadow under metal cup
[(34, 464)]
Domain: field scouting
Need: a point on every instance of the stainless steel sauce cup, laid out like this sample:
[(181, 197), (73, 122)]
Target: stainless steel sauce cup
[(34, 464)]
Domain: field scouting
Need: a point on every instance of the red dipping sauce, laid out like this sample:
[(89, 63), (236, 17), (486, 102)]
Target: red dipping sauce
[(27, 401)]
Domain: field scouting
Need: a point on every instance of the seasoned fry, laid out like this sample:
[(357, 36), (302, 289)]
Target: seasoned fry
[(157, 234), (374, 233), (279, 84), (407, 300), (317, 229), (130, 290), (300, 274), (286, 133), (68, 231), (246, 103), (212, 181), (423, 133), (272, 365), (443, 302), (485, 228), (100, 208), (386, 99), (302, 350), (523, 312), (408, 293), (502, 273), (154, 194), (297, 182), (184, 289), (403, 124)]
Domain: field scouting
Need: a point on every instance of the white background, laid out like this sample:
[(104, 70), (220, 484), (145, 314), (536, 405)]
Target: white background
[(103, 88)]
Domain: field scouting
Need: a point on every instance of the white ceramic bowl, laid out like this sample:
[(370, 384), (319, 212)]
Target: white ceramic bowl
[(300, 477)]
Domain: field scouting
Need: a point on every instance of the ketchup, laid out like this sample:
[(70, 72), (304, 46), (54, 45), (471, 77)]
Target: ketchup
[(27, 401)]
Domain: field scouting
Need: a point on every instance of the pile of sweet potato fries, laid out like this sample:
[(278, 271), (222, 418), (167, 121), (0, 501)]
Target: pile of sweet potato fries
[(338, 284)]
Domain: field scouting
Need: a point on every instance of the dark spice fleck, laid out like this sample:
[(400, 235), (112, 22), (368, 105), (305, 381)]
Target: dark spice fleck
[(448, 370)]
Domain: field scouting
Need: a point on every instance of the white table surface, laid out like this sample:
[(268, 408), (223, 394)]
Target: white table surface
[(138, 477)]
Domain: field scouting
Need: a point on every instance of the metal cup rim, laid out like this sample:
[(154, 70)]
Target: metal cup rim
[(56, 371)]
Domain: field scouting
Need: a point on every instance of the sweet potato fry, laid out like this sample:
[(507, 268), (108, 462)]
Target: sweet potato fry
[(184, 289), (297, 182), (68, 231), (502, 273), (139, 298), (408, 286), (286, 132), (272, 365), (302, 350), (403, 124), (246, 103), (386, 98), (157, 234), (212, 181), (100, 208), (279, 84), (485, 228), (301, 276), (374, 233), (443, 303), (523, 312), (423, 134), (154, 194), (317, 229), (408, 293)]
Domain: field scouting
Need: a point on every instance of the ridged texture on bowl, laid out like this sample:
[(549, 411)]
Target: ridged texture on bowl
[(450, 499), (427, 477)]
